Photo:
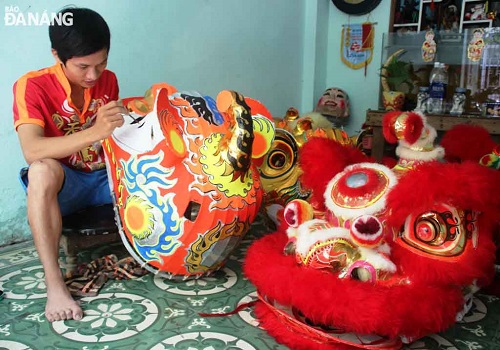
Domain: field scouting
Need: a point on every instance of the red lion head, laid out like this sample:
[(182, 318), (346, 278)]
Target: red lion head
[(376, 257)]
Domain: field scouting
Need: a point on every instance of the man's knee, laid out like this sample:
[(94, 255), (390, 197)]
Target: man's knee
[(46, 175)]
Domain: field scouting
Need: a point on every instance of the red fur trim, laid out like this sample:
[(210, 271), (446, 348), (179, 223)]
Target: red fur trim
[(321, 159), (414, 127), (347, 304), (389, 162), (467, 142), (466, 186)]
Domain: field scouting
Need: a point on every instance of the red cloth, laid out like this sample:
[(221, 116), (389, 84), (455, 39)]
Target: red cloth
[(367, 36), (44, 98)]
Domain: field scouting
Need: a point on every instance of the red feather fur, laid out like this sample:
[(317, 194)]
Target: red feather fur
[(414, 128), (352, 305), (467, 142)]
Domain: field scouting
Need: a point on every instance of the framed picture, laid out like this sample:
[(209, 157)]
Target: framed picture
[(475, 11), (406, 12), (356, 7)]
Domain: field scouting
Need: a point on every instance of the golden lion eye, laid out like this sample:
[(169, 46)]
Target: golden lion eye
[(281, 158), (277, 160), (426, 231), (440, 232)]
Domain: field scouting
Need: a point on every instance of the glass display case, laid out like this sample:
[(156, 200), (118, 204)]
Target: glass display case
[(470, 64)]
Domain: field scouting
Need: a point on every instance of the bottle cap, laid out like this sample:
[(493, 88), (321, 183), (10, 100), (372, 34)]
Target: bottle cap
[(461, 90), (423, 88)]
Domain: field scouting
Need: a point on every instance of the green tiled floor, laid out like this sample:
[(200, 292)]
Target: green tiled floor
[(145, 313), (153, 313)]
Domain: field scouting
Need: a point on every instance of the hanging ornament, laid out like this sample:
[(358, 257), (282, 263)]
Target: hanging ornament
[(357, 44), (429, 47), (476, 45)]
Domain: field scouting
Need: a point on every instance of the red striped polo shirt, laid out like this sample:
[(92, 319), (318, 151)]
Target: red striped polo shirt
[(43, 98)]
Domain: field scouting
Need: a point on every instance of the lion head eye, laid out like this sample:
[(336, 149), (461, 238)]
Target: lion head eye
[(277, 160), (426, 231), (281, 158), (442, 231)]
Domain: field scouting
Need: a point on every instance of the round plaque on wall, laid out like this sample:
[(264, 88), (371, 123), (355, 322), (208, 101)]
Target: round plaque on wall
[(356, 7)]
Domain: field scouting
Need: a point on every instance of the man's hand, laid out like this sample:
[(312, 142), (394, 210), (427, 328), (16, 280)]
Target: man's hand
[(109, 117)]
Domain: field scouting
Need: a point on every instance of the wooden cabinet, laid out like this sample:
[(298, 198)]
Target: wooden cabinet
[(476, 71), (449, 15), (440, 122)]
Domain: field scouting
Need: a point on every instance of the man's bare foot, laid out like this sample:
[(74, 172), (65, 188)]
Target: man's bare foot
[(60, 305)]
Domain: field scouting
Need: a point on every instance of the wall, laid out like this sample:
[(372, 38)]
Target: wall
[(282, 52), (363, 90)]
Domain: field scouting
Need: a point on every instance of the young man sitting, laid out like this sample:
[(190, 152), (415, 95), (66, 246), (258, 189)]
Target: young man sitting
[(61, 114)]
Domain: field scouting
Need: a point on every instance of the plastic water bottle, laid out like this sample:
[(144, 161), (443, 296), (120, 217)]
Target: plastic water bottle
[(437, 90)]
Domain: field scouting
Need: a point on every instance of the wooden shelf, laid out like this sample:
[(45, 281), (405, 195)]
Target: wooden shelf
[(477, 21), (406, 25)]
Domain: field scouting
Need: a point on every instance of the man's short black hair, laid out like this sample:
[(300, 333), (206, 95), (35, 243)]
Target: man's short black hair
[(88, 34)]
